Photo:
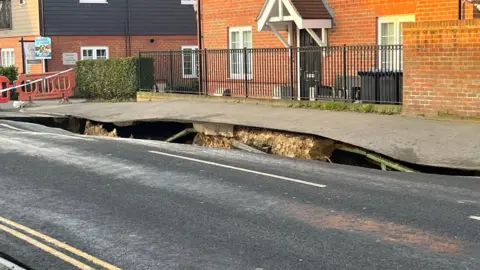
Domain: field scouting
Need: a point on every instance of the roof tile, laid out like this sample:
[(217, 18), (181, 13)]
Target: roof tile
[(311, 9)]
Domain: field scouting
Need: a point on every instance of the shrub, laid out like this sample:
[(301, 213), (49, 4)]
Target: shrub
[(10, 72), (116, 78)]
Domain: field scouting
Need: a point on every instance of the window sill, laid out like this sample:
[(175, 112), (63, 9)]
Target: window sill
[(240, 77), (190, 77)]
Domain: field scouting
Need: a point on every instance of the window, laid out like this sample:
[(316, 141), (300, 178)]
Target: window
[(189, 61), (5, 14), (8, 57), (94, 53), (390, 33), (239, 39), (93, 2)]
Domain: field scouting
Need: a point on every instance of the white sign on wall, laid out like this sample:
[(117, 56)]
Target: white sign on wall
[(69, 59), (30, 56), (29, 50)]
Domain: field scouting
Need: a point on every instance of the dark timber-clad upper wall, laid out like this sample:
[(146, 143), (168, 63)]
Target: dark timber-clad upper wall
[(69, 17)]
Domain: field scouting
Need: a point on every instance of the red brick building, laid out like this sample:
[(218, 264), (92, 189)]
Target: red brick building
[(373, 24), (337, 22), (94, 29), (113, 46), (98, 29)]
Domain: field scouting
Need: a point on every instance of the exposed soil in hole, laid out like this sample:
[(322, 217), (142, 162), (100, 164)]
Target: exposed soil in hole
[(287, 144), (99, 130), (273, 142)]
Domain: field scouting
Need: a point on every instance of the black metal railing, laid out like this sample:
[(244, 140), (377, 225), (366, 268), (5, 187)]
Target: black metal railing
[(370, 74)]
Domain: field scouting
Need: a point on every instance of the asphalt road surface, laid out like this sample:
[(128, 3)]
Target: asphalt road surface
[(69, 201)]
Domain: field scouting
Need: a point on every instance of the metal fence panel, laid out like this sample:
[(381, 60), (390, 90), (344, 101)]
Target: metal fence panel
[(371, 74)]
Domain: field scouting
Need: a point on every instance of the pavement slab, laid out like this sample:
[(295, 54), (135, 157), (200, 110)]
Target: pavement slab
[(451, 144)]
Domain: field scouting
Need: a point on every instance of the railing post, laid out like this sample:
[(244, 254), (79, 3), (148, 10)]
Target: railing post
[(199, 64), (291, 69), (245, 70), (205, 59), (400, 75), (171, 69), (345, 70), (139, 70)]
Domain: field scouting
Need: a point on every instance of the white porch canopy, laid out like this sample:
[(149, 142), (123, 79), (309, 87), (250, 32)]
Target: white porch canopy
[(279, 15)]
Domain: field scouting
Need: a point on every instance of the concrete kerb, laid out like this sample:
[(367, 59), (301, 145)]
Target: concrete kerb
[(145, 96)]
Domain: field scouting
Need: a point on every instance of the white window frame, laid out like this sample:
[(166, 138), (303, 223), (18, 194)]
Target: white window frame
[(194, 61), (241, 75), (8, 50), (93, 1), (397, 20), (94, 49)]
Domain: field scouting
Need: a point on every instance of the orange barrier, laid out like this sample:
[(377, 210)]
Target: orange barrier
[(5, 83), (45, 86)]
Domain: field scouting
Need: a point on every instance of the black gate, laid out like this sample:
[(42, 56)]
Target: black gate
[(310, 64)]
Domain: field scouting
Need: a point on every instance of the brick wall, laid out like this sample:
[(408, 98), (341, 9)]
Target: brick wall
[(442, 68), (13, 43), (116, 45), (218, 15), (355, 22)]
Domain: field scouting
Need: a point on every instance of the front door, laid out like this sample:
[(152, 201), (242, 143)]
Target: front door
[(310, 66)]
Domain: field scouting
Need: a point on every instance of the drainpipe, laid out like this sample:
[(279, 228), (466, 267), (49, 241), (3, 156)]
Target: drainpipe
[(199, 22), (460, 10), (201, 56), (41, 16), (126, 39), (127, 31)]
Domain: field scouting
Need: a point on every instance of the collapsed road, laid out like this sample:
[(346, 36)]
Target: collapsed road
[(74, 201), (447, 144), (229, 136)]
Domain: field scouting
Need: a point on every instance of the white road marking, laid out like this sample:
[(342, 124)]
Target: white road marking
[(14, 128), (45, 133), (467, 201), (475, 217), (240, 169)]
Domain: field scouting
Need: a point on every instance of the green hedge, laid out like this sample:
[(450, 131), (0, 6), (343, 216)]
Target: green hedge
[(116, 78), (10, 72)]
